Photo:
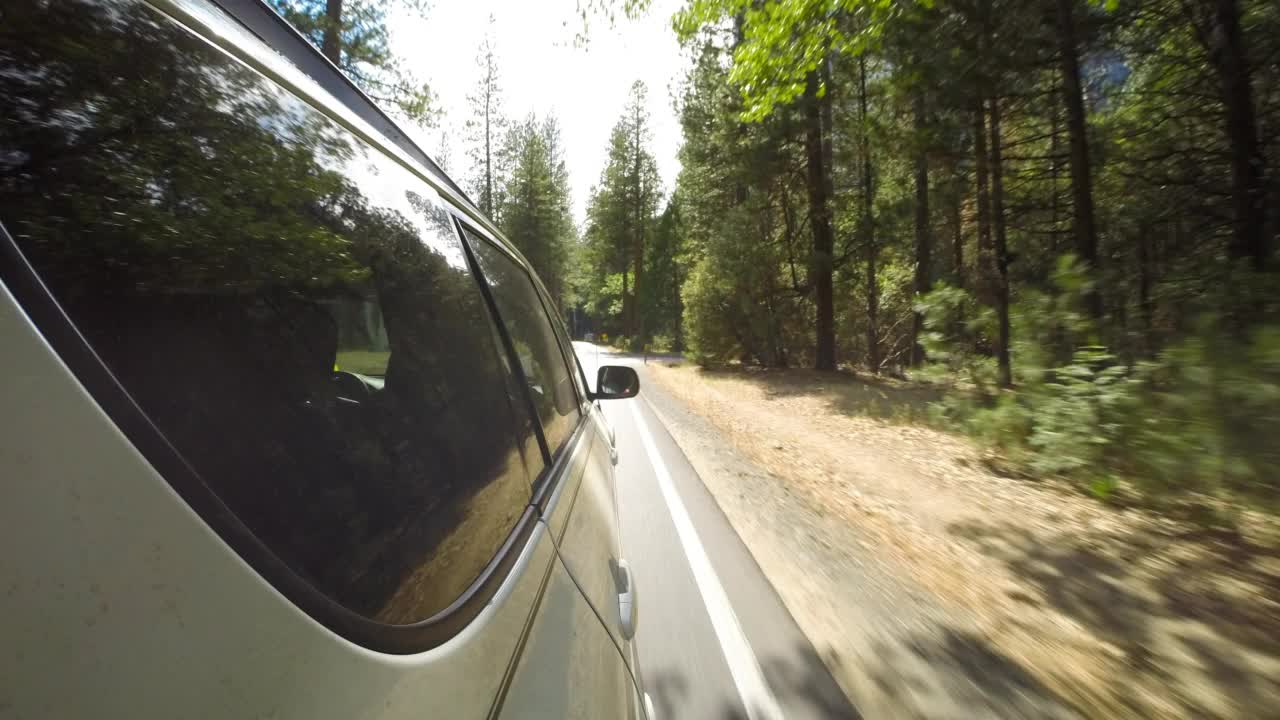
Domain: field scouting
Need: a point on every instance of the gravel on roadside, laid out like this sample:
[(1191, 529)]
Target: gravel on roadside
[(935, 588)]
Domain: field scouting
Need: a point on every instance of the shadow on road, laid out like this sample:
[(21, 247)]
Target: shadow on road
[(800, 681), (1191, 610), (944, 672), (668, 690), (927, 674)]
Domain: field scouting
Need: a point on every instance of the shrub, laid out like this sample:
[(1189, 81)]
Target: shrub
[(1076, 414), (1208, 415), (1201, 417), (707, 319), (660, 344)]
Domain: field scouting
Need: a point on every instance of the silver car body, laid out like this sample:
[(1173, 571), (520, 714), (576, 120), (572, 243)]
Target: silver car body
[(118, 599)]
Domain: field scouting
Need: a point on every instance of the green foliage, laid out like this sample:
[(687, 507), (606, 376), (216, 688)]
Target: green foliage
[(621, 224), (608, 10), (1075, 420), (785, 40), (1208, 414), (661, 344), (535, 213), (666, 265), (519, 178), (1116, 373), (740, 212), (1050, 326), (1063, 417), (1200, 417), (710, 316), (955, 325)]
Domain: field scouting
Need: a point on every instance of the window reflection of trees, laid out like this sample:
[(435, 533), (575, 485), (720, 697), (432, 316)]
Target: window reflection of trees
[(202, 229), (535, 343)]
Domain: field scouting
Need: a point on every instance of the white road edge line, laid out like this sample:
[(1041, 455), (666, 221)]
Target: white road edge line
[(743, 666)]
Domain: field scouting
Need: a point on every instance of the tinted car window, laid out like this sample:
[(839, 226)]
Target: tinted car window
[(566, 346), (535, 342), (292, 311)]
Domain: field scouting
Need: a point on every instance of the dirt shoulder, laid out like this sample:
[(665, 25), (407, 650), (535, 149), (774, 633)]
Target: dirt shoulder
[(936, 588)]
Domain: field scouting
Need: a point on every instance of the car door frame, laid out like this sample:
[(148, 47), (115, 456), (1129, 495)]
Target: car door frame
[(557, 478)]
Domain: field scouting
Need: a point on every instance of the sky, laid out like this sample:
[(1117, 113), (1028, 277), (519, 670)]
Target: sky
[(541, 71)]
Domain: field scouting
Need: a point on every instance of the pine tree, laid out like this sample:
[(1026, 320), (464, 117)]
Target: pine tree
[(486, 130), (535, 210), (623, 210)]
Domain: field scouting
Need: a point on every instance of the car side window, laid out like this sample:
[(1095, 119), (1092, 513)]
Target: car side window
[(566, 346), (547, 376), (292, 310)]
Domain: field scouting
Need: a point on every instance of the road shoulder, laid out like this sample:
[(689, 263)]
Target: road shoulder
[(893, 651)]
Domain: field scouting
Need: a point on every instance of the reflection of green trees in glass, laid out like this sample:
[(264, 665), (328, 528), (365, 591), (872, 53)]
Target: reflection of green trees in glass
[(353, 35), (163, 157), (543, 364), (207, 232)]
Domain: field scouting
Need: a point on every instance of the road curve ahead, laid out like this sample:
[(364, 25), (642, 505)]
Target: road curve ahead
[(714, 639)]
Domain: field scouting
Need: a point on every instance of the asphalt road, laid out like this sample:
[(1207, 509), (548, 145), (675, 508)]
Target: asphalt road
[(714, 639)]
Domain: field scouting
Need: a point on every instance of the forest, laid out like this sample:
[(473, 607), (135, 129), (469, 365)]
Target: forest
[(1060, 213)]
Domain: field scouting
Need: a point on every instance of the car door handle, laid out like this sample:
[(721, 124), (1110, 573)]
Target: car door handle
[(626, 600)]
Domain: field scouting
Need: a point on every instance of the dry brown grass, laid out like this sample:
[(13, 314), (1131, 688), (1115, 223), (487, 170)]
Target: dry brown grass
[(1120, 611)]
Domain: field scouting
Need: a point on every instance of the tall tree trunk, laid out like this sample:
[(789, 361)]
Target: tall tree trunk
[(1145, 306), (331, 42), (740, 128), (982, 199), (773, 343), (1055, 202), (820, 264), (868, 227), (1001, 254), (828, 127), (626, 299), (678, 304), (924, 241), (487, 200), (1081, 182), (1248, 190), (637, 320), (957, 232)]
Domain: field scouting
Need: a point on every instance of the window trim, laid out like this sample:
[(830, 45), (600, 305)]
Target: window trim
[(508, 345), (549, 454), (43, 310), (555, 474), (553, 462), (565, 341)]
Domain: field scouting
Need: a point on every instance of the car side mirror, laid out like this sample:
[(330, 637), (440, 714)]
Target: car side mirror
[(616, 382)]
